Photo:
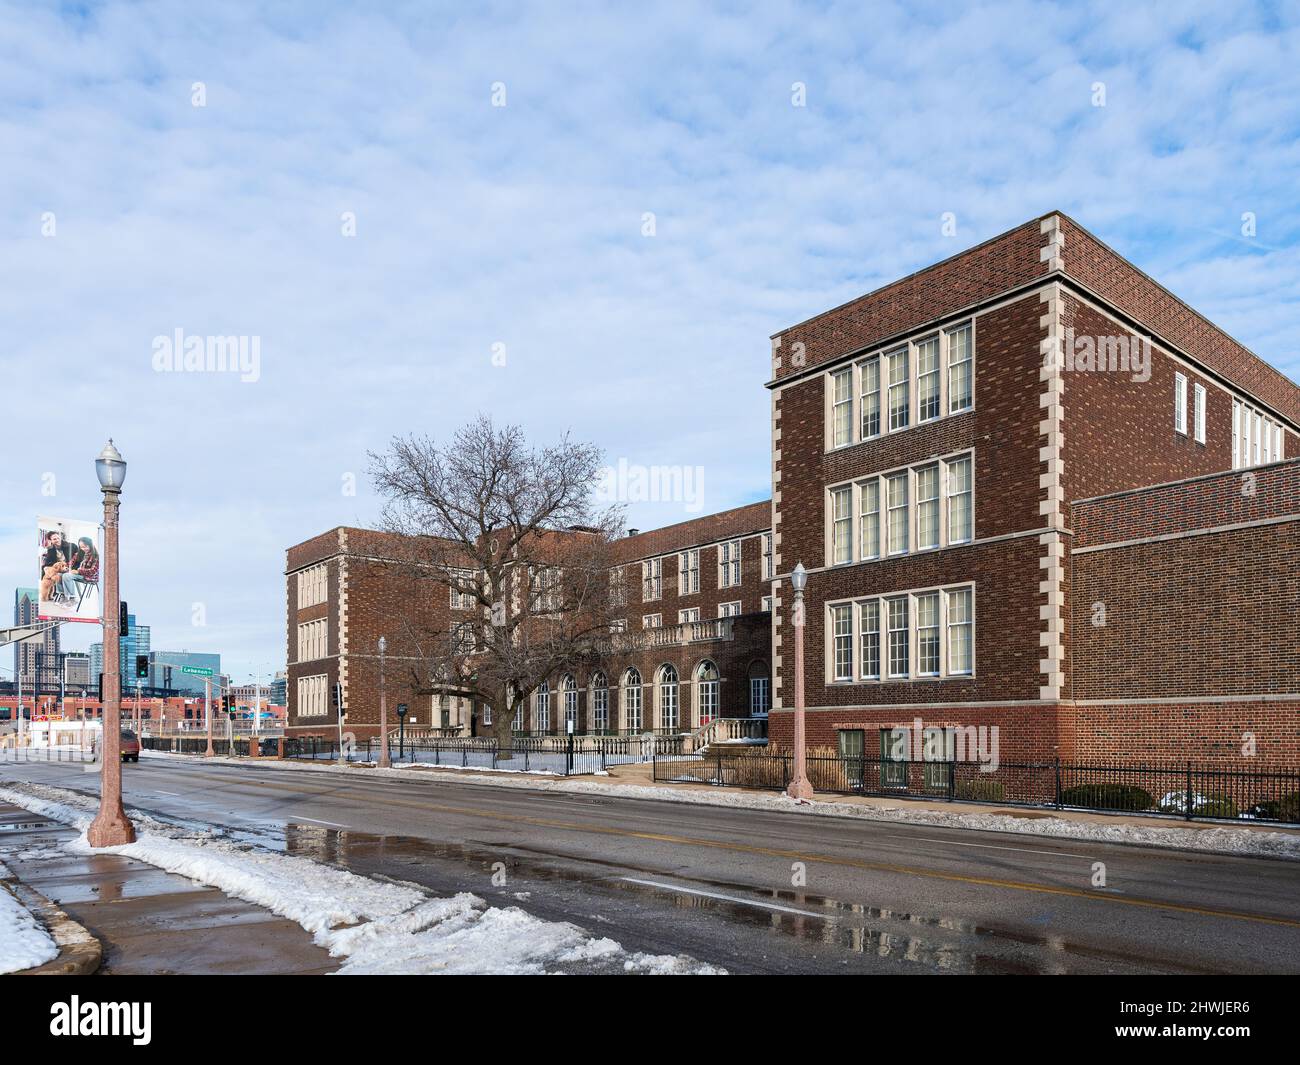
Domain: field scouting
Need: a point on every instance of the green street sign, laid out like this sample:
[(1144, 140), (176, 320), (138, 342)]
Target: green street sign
[(197, 671)]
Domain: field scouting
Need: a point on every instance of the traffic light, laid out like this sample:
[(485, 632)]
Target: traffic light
[(141, 667), (123, 616), (101, 689)]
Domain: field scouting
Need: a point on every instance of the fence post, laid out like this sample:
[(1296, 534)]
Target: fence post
[(1187, 806), (1058, 781), (952, 780), (568, 761)]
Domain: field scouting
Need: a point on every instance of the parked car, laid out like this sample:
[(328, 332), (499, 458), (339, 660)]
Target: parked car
[(130, 746)]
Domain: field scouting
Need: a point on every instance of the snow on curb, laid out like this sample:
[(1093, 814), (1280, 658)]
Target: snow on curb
[(378, 927), (24, 942), (1219, 839)]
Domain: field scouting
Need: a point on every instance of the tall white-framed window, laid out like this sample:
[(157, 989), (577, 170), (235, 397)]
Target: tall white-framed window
[(313, 696), (707, 684), (569, 688), (896, 492), (542, 708), (869, 637), (961, 626), (769, 569), (487, 713), (960, 485), (631, 692), (760, 695), (652, 621), (690, 614), (899, 636), (927, 379), (669, 699), (599, 703), (313, 585), (766, 606), (842, 525), (869, 533), (927, 634), (1256, 437), (729, 610), (899, 389), (652, 579), (1198, 412), (870, 376), (688, 572), (517, 725), (842, 407), (960, 349), (927, 507), (1180, 403), (729, 564), (842, 634), (461, 584)]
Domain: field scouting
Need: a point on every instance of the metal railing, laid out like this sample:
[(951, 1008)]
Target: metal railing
[(1187, 791)]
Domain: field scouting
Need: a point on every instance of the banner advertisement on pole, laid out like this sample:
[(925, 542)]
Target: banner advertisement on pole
[(69, 570)]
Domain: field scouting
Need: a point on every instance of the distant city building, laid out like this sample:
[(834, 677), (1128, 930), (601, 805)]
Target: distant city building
[(35, 660), (134, 642), (165, 669), (279, 688)]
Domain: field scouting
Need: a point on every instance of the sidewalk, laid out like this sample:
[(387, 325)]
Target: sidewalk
[(147, 920)]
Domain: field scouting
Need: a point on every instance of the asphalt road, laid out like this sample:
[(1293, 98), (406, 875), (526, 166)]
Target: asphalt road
[(722, 884)]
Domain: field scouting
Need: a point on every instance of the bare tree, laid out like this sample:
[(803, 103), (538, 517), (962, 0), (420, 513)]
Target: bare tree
[(514, 532)]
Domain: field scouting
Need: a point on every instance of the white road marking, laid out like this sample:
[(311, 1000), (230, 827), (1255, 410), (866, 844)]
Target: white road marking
[(994, 847), (313, 820), (173, 794), (728, 898)]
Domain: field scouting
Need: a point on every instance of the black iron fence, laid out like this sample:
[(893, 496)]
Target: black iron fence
[(1186, 791)]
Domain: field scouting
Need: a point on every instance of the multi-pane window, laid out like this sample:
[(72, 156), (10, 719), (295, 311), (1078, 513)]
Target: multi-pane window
[(760, 696), (1198, 412), (922, 634), (1256, 437), (881, 507), (313, 696), (842, 633), (462, 589), (570, 702), (960, 631), (869, 630), (870, 373), (1180, 403), (767, 604), (599, 703), (312, 585), (708, 692), (896, 490), (769, 568), (729, 610), (464, 641), (652, 621), (841, 525), (312, 640), (899, 395), (927, 507), (960, 514), (927, 379), (869, 532), (899, 637), (842, 407), (927, 634), (632, 700), (542, 716), (685, 617), (938, 369), (688, 572), (959, 368), (729, 564), (668, 698), (652, 579), (617, 586)]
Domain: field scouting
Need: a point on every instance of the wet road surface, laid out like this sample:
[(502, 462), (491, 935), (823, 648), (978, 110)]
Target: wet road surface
[(755, 891)]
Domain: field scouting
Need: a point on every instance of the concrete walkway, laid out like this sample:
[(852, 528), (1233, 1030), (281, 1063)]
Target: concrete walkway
[(149, 921)]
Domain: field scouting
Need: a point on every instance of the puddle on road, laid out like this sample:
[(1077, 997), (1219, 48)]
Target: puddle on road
[(854, 927)]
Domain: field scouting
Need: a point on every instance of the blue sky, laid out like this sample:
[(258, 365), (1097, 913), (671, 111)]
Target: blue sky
[(522, 225)]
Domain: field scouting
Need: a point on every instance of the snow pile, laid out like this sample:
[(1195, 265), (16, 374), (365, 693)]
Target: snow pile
[(377, 926), (24, 943)]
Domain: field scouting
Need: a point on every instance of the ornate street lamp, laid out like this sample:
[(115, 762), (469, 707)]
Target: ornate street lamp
[(799, 787)]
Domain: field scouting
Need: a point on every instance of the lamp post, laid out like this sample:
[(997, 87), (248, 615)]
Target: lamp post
[(384, 763), (799, 787), (111, 828)]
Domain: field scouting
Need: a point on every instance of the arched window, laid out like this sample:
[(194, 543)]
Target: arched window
[(632, 700), (570, 687), (542, 716), (669, 717), (760, 690), (599, 703), (707, 683)]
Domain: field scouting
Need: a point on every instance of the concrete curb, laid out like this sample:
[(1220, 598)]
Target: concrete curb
[(80, 953)]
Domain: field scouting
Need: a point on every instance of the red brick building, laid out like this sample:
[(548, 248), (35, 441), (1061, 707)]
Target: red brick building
[(695, 641), (1033, 489)]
